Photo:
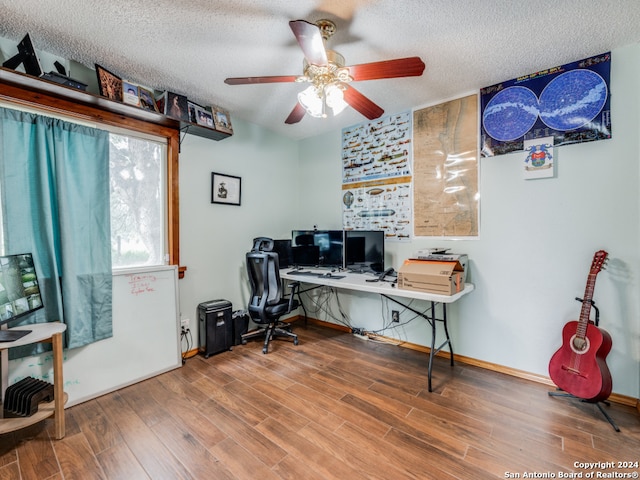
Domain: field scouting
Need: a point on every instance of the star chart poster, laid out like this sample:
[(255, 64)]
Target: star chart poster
[(569, 103)]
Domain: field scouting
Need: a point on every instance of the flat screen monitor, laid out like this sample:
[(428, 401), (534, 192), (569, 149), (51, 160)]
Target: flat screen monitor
[(285, 254), (330, 245), (305, 256), (19, 292), (364, 250)]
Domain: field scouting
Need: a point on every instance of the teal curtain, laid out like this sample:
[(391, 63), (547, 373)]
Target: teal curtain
[(54, 182)]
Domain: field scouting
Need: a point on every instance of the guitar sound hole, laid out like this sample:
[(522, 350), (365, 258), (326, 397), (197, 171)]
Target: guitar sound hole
[(579, 345)]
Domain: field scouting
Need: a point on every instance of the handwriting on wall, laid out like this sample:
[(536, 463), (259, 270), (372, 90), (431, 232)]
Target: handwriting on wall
[(141, 283)]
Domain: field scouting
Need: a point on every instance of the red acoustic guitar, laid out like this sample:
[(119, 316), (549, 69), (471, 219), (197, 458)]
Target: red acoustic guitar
[(579, 366)]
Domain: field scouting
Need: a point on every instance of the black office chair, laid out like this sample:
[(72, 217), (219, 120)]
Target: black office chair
[(268, 302)]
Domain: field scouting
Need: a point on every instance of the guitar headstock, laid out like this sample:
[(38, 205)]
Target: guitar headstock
[(599, 260)]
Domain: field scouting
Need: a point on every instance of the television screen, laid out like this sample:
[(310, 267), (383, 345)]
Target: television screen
[(328, 242), (19, 289), (364, 250)]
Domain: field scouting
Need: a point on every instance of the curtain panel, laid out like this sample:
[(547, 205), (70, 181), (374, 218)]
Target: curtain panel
[(54, 189)]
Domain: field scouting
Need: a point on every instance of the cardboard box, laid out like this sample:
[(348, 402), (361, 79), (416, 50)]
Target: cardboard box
[(426, 254), (444, 278)]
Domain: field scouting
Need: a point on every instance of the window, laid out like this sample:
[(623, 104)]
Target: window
[(138, 123), (137, 177)]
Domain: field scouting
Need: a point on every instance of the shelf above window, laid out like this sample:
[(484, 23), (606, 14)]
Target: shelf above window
[(27, 88)]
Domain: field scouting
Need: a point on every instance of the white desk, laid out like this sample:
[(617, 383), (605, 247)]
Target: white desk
[(358, 282)]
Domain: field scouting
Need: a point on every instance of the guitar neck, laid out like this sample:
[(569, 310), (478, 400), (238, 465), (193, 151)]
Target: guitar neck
[(585, 312)]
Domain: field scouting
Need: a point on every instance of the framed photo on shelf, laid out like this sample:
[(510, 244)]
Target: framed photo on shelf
[(147, 101), (225, 189), (204, 117), (221, 120), (193, 115), (130, 94), (176, 107), (110, 84)]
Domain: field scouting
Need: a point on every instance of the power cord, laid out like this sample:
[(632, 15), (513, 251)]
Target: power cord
[(185, 336)]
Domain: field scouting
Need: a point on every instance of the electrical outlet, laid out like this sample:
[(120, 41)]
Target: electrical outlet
[(184, 323), (395, 316)]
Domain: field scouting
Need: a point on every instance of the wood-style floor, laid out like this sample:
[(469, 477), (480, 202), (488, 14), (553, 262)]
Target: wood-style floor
[(334, 407)]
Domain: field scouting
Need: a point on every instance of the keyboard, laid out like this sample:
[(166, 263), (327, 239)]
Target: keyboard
[(315, 274), (302, 272)]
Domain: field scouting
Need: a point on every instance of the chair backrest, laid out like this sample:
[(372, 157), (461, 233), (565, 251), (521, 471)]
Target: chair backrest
[(262, 244), (266, 287)]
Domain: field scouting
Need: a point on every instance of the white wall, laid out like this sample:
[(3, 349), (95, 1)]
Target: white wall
[(537, 238), (214, 238)]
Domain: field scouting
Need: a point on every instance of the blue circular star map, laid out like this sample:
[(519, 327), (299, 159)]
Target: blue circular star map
[(572, 99), (510, 113)]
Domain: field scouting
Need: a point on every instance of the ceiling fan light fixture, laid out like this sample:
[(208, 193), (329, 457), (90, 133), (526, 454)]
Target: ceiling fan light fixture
[(311, 102), (335, 98)]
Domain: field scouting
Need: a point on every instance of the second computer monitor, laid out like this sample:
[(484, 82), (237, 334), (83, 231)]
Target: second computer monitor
[(364, 250), (328, 243)]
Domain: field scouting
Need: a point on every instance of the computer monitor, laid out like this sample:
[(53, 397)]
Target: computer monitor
[(329, 243), (285, 254), (19, 292), (364, 250)]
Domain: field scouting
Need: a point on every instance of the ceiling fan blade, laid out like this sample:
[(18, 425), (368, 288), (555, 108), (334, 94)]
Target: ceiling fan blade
[(361, 103), (401, 67), (296, 114), (310, 41), (253, 80)]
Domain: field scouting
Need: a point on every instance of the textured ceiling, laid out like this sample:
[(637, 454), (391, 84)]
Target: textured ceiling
[(191, 46)]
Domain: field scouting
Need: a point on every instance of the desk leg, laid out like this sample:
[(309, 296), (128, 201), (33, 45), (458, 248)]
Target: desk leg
[(58, 386), (446, 330), (4, 365), (432, 351)]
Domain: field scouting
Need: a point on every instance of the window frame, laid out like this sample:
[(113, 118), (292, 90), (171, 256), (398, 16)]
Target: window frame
[(53, 98)]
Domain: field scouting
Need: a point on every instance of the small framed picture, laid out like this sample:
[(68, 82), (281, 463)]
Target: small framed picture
[(204, 117), (193, 115), (130, 94), (225, 189), (176, 107), (110, 85), (221, 120), (146, 100)]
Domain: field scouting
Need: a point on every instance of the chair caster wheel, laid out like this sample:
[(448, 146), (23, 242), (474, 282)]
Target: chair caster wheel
[(244, 342), (264, 350), (295, 341)]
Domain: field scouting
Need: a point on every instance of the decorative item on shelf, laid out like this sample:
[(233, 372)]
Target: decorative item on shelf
[(173, 105), (130, 94), (204, 117), (193, 116), (22, 398), (221, 120), (26, 57), (109, 83), (147, 101)]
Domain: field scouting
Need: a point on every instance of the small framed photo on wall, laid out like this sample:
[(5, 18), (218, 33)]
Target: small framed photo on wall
[(225, 189)]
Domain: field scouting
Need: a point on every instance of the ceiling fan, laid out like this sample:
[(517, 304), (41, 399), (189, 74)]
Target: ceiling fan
[(330, 79)]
